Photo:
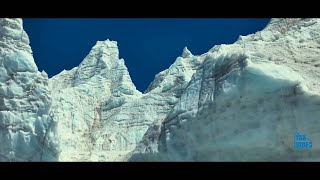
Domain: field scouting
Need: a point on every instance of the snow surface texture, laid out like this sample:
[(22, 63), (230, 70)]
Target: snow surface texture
[(246, 101), (27, 127)]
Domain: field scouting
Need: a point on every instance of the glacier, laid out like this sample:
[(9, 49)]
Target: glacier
[(237, 102)]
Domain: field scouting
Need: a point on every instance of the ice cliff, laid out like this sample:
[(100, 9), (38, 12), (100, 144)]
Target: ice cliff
[(246, 101), (237, 102), (27, 126)]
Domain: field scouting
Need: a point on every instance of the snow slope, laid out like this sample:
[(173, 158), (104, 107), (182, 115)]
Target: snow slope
[(27, 125), (246, 101)]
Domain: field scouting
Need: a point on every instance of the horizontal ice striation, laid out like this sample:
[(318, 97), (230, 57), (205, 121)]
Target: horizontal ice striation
[(27, 126), (246, 101)]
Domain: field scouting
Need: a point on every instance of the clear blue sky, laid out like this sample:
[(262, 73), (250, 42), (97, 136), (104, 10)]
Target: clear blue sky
[(148, 46)]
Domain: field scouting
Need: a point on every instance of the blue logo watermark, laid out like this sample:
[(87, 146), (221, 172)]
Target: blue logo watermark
[(302, 142)]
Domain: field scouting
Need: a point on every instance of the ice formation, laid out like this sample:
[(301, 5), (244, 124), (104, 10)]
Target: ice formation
[(82, 95), (101, 115), (27, 125), (246, 101), (237, 102)]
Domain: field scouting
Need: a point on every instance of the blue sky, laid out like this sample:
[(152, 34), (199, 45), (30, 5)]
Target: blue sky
[(147, 45)]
